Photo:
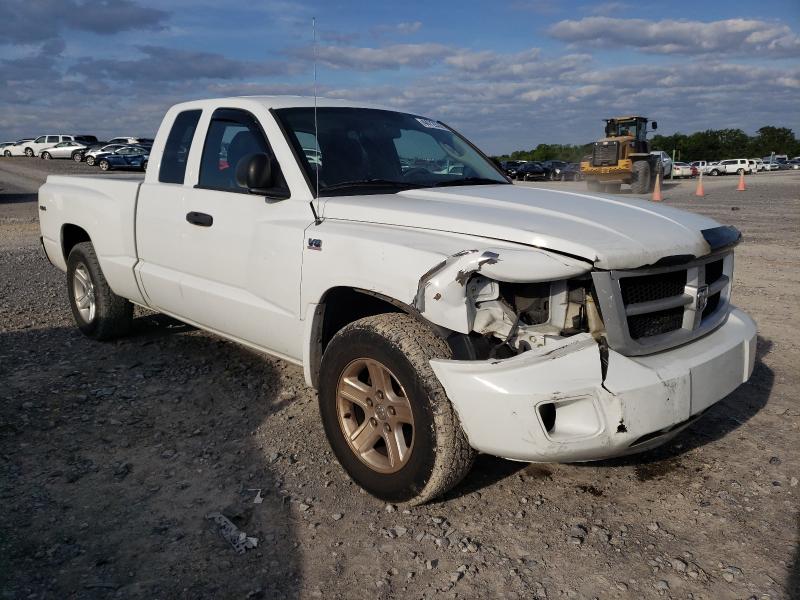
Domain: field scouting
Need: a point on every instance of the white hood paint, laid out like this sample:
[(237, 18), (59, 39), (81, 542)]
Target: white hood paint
[(613, 233)]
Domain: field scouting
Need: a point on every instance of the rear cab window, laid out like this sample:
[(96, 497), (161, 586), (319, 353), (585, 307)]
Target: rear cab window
[(177, 146)]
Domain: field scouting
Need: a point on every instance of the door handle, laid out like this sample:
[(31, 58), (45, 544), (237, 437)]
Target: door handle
[(201, 219)]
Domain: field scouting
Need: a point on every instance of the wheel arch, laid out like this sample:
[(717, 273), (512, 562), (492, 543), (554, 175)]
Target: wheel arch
[(71, 235), (338, 307)]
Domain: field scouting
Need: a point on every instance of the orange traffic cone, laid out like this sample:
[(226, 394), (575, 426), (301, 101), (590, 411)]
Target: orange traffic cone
[(657, 197), (741, 187), (700, 192)]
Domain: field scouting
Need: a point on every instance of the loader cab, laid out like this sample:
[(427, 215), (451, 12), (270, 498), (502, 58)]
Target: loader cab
[(628, 127)]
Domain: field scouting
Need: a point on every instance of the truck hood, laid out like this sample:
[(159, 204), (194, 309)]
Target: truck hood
[(612, 233)]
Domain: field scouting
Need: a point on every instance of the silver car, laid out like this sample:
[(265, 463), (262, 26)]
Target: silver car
[(71, 150)]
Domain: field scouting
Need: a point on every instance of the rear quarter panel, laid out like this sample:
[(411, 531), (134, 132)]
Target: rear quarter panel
[(103, 207)]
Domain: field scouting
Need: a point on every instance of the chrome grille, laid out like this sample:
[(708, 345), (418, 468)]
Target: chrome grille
[(652, 309), (605, 154)]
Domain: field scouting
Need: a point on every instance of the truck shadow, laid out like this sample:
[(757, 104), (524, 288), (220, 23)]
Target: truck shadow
[(15, 198), (112, 455)]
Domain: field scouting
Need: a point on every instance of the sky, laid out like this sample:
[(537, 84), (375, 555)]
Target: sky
[(508, 75)]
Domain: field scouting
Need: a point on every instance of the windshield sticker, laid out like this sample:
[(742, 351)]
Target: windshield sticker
[(431, 124)]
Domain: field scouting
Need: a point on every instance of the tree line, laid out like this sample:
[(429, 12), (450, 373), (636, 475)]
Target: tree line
[(711, 144)]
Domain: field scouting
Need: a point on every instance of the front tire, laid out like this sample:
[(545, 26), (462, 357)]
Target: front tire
[(386, 416), (77, 157), (641, 177), (46, 156), (90, 161), (105, 165), (28, 152), (99, 313)]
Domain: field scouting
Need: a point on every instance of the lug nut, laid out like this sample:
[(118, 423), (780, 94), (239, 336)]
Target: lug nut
[(391, 410), (373, 421), (369, 402), (386, 427), (380, 395)]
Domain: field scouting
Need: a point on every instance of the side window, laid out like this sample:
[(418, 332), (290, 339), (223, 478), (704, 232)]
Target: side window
[(232, 135), (52, 139), (176, 149), (40, 140)]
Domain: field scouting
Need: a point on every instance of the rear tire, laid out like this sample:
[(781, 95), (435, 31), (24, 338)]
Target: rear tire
[(90, 161), (77, 157), (369, 367), (99, 313), (46, 156), (104, 165), (641, 177), (28, 152), (7, 154)]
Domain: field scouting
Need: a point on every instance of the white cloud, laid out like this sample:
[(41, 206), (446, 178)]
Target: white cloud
[(393, 56), (730, 36)]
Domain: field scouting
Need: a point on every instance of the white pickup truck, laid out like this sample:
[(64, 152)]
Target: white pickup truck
[(438, 309)]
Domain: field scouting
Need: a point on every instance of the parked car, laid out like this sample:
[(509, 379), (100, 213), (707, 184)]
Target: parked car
[(530, 171), (3, 146), (681, 169), (91, 154), (666, 162), (571, 172), (17, 148), (138, 141), (795, 163), (34, 147), (760, 166), (510, 167), (553, 169), (71, 150), (700, 165), (89, 140), (731, 166), (126, 157), (458, 314)]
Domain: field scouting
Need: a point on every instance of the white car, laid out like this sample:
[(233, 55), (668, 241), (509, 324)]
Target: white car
[(17, 148), (91, 155), (71, 150), (127, 141), (680, 169), (437, 314), (759, 164), (34, 147), (731, 166)]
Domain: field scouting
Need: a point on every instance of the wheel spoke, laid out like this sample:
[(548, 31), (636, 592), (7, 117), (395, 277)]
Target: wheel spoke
[(82, 278), (353, 390), (402, 412), (364, 438), (378, 376), (83, 301), (395, 450)]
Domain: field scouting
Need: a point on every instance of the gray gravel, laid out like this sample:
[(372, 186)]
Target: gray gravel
[(112, 454)]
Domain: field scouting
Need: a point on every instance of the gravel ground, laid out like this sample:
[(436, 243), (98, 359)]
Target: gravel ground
[(112, 455)]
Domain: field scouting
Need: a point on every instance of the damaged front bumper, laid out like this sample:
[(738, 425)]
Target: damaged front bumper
[(554, 404)]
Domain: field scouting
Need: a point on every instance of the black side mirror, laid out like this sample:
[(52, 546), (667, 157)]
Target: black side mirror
[(255, 172), (654, 125)]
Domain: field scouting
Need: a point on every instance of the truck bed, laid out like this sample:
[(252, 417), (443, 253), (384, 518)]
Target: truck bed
[(105, 208)]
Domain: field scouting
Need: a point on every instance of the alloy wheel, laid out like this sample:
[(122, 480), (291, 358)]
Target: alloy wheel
[(83, 291), (375, 415)]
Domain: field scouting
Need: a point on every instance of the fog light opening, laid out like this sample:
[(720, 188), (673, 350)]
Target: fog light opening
[(547, 412)]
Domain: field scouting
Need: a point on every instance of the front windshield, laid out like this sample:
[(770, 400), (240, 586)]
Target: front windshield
[(370, 151)]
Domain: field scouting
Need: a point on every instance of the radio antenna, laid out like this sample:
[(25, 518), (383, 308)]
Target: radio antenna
[(318, 157)]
